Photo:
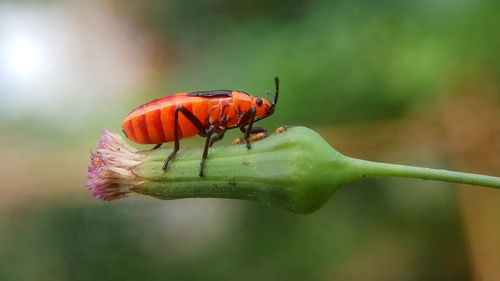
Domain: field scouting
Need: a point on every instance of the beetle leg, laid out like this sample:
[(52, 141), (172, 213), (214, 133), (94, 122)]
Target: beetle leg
[(216, 138), (205, 151), (255, 130), (220, 131), (191, 117), (253, 109), (244, 120), (247, 119), (176, 138), (156, 146)]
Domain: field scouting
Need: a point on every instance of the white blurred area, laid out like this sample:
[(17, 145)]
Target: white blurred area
[(62, 62)]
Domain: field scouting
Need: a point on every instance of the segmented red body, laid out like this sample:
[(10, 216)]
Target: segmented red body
[(153, 122)]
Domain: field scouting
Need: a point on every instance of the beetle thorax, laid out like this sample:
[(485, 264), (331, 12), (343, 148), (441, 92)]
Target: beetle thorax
[(222, 112)]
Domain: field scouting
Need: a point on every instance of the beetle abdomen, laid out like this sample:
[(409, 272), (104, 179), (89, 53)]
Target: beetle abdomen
[(153, 122)]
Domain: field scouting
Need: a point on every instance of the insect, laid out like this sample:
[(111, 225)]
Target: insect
[(206, 113)]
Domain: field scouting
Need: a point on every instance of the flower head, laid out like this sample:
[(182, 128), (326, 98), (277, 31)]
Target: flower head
[(110, 173)]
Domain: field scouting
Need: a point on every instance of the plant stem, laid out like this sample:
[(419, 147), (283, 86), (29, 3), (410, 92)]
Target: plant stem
[(377, 169)]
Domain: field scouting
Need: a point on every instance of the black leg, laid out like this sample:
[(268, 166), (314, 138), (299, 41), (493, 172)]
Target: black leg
[(220, 131), (248, 118), (216, 138), (193, 119), (253, 130), (244, 120), (190, 116), (256, 130), (205, 151), (156, 146), (176, 138), (253, 109)]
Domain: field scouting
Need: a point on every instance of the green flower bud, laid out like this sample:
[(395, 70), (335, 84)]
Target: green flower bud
[(296, 170)]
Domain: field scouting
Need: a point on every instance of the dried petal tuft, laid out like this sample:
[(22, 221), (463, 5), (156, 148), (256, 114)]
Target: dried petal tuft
[(110, 176)]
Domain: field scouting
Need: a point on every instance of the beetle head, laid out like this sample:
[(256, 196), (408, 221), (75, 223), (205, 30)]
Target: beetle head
[(263, 106), (267, 108)]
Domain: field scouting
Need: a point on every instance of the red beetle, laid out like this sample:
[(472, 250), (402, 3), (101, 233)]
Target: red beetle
[(206, 113)]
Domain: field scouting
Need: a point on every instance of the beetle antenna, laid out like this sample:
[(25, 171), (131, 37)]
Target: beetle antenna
[(277, 91)]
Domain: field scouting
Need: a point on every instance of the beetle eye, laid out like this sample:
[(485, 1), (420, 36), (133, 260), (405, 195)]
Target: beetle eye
[(258, 101)]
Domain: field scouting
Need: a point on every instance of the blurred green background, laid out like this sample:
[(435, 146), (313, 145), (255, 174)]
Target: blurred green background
[(413, 82)]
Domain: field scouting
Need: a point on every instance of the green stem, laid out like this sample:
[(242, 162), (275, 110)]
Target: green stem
[(377, 169)]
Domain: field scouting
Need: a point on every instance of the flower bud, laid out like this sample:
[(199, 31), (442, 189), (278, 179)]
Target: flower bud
[(296, 170)]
